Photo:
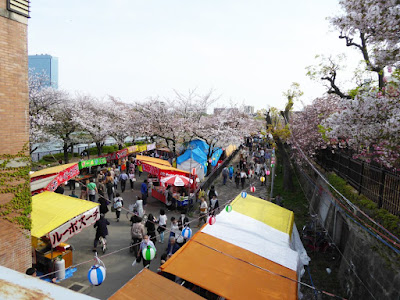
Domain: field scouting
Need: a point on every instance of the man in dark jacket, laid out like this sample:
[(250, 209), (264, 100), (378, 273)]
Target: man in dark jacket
[(101, 230), (172, 247), (144, 191)]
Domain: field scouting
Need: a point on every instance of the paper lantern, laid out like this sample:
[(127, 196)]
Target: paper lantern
[(212, 220), (252, 189), (273, 154), (228, 208), (213, 158), (96, 275), (148, 253), (268, 172), (210, 160), (272, 165), (262, 178), (187, 233), (244, 194)]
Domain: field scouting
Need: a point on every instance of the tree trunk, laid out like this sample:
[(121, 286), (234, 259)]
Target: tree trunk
[(99, 146), (65, 148), (287, 168)]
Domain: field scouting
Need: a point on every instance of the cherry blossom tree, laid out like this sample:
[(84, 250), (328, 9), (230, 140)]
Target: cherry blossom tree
[(62, 125), (229, 126), (370, 125), (41, 101), (305, 125), (92, 118), (372, 27)]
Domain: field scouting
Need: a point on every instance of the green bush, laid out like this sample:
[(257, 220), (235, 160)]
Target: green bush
[(382, 216), (55, 157)]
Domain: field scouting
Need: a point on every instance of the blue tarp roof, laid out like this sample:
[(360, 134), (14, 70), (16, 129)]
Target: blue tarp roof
[(197, 154), (199, 144), (215, 157)]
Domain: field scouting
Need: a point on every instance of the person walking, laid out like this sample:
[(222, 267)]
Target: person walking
[(231, 170), (118, 204), (211, 193), (103, 205), (123, 178), (144, 191), (101, 188), (225, 173), (139, 207), (101, 230), (137, 233), (162, 225), (109, 187), (84, 190), (144, 245), (243, 177), (151, 227), (174, 231), (92, 190), (214, 205), (203, 211), (237, 179)]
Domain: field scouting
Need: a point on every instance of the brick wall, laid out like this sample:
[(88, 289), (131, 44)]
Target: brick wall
[(15, 243), (14, 130)]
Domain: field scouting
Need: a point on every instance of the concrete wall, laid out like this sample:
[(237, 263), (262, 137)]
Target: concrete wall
[(376, 265), (15, 243)]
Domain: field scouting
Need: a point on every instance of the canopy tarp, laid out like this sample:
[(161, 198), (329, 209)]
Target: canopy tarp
[(52, 170), (39, 185), (231, 271), (162, 170), (217, 152), (51, 210), (92, 162), (255, 236), (58, 175), (195, 154), (229, 150), (149, 285), (153, 160), (17, 285), (199, 144), (264, 211)]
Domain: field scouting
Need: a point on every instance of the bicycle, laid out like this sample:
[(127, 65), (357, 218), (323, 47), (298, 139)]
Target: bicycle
[(103, 243)]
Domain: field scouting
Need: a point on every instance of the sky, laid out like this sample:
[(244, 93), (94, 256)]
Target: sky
[(248, 52)]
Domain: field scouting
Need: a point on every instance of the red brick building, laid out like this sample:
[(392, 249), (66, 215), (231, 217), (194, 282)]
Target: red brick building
[(15, 202)]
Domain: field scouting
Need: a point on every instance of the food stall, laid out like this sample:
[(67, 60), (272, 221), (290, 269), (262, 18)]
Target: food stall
[(50, 178), (55, 218), (159, 169)]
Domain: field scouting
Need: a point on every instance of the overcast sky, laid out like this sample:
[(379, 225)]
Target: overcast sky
[(247, 51)]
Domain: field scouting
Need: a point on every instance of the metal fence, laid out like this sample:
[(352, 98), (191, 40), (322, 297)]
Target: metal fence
[(377, 184), (36, 156)]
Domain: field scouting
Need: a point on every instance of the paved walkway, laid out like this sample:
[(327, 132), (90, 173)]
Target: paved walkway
[(119, 262)]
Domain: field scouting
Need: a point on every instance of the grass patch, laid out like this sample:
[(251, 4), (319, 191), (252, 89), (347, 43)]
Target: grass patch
[(294, 201)]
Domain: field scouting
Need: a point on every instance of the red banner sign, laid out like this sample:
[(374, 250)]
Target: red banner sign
[(63, 176)]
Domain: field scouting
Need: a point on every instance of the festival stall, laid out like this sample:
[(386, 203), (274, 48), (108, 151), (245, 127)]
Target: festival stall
[(253, 251), (92, 162), (159, 169), (55, 218), (116, 155), (193, 159), (49, 179), (149, 285)]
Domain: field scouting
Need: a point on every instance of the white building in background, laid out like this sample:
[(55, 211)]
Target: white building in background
[(249, 110)]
